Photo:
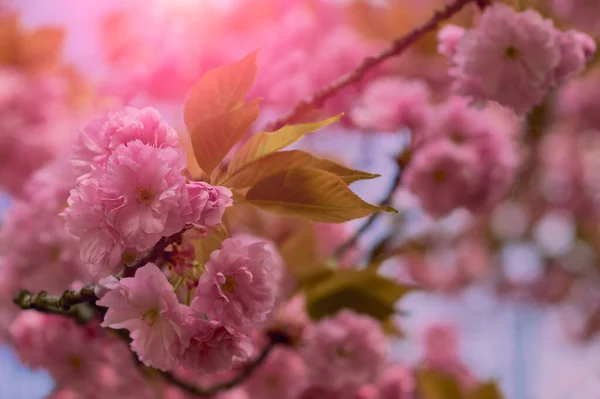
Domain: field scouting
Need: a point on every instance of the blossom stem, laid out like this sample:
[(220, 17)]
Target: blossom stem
[(398, 47)]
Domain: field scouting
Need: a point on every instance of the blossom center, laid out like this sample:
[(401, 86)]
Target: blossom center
[(54, 252), (511, 53), (145, 195), (439, 175), (151, 316), (229, 285), (342, 352), (75, 362)]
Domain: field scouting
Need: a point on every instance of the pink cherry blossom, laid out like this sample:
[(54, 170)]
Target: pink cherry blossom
[(147, 306), (449, 37), (282, 376), (33, 125), (213, 347), (237, 287), (345, 351), (100, 245), (142, 189), (39, 340), (103, 135), (476, 150), (443, 176), (207, 204), (583, 14), (508, 49), (396, 382), (576, 49), (390, 103)]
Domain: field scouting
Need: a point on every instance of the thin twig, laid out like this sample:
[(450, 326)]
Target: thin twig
[(398, 47), (351, 242), (247, 370)]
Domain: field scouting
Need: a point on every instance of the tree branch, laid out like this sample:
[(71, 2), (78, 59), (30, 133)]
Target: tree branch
[(58, 304), (247, 371), (398, 47)]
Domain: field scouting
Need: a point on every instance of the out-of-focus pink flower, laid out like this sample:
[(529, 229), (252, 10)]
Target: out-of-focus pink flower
[(207, 204), (147, 306), (39, 340), (237, 286), (578, 102), (582, 14), (448, 38), (33, 118), (212, 346), (465, 154), (443, 176), (520, 51), (389, 104), (33, 239), (441, 353), (282, 376), (396, 382), (576, 49), (345, 351), (103, 135)]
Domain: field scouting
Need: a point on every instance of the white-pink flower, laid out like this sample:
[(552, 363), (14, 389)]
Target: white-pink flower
[(345, 351), (147, 306), (512, 58), (103, 135), (212, 346), (237, 287)]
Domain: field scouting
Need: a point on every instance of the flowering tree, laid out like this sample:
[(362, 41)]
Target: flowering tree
[(145, 263)]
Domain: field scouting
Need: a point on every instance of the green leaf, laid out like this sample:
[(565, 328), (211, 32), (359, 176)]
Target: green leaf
[(262, 168), (312, 194), (264, 143), (436, 385), (213, 138), (364, 291), (220, 90)]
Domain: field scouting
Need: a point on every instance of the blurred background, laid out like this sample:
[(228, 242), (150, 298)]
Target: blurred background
[(522, 331)]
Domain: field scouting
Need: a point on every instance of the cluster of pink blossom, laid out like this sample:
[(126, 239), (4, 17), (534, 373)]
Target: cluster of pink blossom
[(92, 364), (132, 189), (460, 159), (36, 251), (520, 50), (31, 117), (235, 292)]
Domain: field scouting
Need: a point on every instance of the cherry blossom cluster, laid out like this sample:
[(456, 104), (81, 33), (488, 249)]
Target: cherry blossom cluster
[(132, 189), (520, 50), (36, 252), (32, 125)]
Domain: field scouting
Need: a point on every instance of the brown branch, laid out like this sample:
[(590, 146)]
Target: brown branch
[(398, 47), (64, 305), (247, 371)]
